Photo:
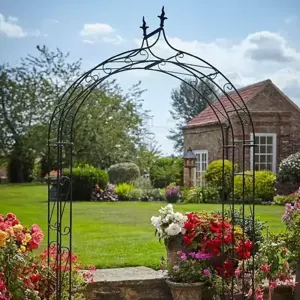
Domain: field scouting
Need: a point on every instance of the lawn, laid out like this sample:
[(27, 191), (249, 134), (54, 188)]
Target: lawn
[(110, 234)]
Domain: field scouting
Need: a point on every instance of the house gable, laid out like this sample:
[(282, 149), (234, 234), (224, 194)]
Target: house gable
[(271, 99)]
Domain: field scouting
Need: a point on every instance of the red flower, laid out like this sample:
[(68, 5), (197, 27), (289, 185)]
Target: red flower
[(265, 268)]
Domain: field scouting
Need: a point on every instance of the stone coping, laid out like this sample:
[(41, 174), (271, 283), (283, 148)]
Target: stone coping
[(128, 274)]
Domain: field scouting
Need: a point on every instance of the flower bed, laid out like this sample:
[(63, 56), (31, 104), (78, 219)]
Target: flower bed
[(23, 275)]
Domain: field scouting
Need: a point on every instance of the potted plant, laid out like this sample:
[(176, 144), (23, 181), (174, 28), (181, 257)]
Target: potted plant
[(190, 276), (169, 227), (172, 193)]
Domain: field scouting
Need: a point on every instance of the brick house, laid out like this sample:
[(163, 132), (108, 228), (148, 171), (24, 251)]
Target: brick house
[(276, 122)]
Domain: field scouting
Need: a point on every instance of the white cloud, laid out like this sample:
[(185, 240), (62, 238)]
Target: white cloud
[(290, 19), (12, 19), (10, 29), (259, 56), (100, 32)]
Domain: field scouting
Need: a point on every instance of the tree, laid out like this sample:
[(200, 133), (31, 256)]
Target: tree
[(166, 170), (110, 128), (186, 104), (28, 93)]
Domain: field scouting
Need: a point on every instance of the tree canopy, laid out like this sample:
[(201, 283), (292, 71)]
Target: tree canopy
[(188, 100), (110, 127)]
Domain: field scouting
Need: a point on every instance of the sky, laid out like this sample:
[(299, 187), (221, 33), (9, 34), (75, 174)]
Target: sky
[(249, 41)]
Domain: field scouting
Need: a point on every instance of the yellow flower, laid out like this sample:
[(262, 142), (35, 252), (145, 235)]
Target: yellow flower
[(3, 238), (18, 228), (23, 248), (26, 239)]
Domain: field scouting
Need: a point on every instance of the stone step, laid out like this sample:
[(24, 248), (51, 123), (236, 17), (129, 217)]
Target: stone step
[(136, 283)]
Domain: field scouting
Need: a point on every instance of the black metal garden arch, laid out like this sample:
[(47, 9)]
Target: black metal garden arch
[(180, 65)]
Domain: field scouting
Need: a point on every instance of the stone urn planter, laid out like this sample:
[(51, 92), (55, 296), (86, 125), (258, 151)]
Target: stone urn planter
[(186, 291)]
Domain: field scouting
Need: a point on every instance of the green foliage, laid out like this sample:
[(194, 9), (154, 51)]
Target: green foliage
[(289, 169), (84, 178), (135, 195), (254, 233), (264, 186), (188, 103), (166, 170), (143, 183), (123, 173), (156, 195), (283, 200), (20, 165), (214, 174), (115, 123), (205, 194), (28, 93), (123, 191)]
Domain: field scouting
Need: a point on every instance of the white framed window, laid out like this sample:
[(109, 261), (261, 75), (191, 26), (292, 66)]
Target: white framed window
[(201, 166), (265, 151)]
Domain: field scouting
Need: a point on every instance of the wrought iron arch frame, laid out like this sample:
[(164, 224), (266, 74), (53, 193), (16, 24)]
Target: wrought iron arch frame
[(61, 127)]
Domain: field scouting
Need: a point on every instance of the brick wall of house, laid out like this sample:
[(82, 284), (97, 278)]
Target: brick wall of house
[(203, 138), (270, 111)]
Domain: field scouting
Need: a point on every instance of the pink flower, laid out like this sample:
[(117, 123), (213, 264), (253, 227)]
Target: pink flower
[(183, 256), (37, 237), (272, 284), (237, 272), (192, 254), (206, 272), (35, 228), (11, 217)]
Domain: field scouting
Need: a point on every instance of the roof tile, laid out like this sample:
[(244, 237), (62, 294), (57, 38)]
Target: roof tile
[(208, 116)]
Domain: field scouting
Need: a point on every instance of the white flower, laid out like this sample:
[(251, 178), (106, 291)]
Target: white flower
[(156, 221), (173, 229)]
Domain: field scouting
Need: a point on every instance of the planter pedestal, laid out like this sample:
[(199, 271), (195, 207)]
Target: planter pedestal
[(173, 245)]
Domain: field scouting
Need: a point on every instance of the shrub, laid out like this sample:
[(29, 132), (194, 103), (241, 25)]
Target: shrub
[(156, 195), (214, 174), (166, 170), (264, 186), (84, 178), (283, 199), (143, 183), (289, 169), (123, 191), (123, 173), (205, 194), (135, 195)]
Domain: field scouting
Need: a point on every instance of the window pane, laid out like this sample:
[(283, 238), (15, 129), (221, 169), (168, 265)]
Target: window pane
[(256, 140), (262, 140), (269, 166), (270, 149), (270, 140), (262, 149), (257, 167), (262, 158), (263, 166), (269, 158)]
